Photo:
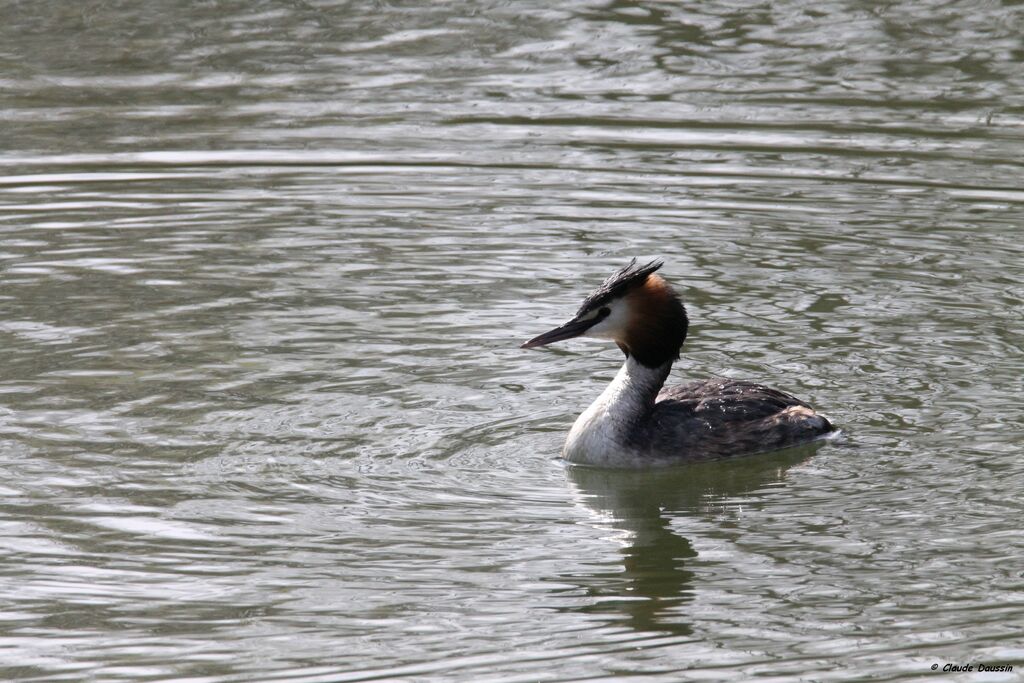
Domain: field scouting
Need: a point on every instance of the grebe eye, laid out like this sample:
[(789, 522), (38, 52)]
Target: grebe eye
[(604, 312)]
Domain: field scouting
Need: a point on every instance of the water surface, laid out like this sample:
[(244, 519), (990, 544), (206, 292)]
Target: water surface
[(265, 268)]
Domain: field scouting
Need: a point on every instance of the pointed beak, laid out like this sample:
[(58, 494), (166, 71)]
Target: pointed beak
[(573, 328)]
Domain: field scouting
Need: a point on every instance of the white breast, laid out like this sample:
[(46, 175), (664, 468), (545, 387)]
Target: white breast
[(600, 435)]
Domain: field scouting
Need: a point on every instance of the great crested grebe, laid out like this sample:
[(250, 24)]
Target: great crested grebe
[(636, 422)]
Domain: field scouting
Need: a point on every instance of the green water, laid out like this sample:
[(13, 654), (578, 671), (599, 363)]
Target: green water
[(264, 268)]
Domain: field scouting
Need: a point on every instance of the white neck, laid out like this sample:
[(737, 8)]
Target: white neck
[(601, 435)]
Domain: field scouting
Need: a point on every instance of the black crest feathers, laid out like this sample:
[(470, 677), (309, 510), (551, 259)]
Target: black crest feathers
[(618, 283)]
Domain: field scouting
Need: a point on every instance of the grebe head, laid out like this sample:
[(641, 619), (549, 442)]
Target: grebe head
[(636, 309)]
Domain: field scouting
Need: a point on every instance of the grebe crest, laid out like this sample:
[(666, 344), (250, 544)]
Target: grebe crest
[(636, 422)]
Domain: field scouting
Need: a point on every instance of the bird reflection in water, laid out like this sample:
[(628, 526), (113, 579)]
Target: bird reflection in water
[(648, 593)]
